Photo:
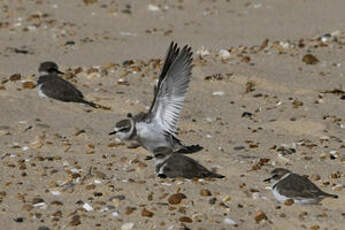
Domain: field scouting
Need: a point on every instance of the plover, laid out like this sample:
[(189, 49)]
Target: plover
[(287, 185), (51, 85), (158, 127), (170, 164)]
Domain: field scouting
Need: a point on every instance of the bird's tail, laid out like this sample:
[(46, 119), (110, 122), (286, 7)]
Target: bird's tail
[(330, 195), (214, 175), (189, 149), (94, 105), (89, 103)]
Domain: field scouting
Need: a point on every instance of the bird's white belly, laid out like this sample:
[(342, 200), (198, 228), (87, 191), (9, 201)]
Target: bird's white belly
[(282, 198), (149, 137), (278, 196), (40, 93)]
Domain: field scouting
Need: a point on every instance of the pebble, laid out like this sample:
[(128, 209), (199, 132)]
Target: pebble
[(87, 207), (218, 93), (55, 193), (75, 220), (43, 228), (127, 226), (230, 221), (117, 197), (259, 216), (146, 213), (186, 219), (19, 220), (226, 198), (212, 201), (289, 202), (237, 148), (176, 198), (115, 214), (154, 8), (310, 59), (205, 192), (203, 52), (224, 54)]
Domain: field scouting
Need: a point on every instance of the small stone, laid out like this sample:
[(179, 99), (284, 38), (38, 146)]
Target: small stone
[(230, 221), (19, 220), (186, 219), (246, 114), (176, 198), (245, 59), (259, 216), (87, 2), (117, 197), (75, 220), (218, 93), (212, 201), (87, 207), (28, 85), (151, 7), (310, 59), (37, 143), (43, 228), (130, 210), (315, 227), (37, 200), (27, 207), (224, 54), (15, 77), (127, 226), (205, 192), (237, 148), (226, 198), (90, 186), (289, 202), (146, 213)]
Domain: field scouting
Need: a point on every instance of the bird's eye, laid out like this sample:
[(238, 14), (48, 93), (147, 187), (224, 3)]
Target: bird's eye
[(275, 176)]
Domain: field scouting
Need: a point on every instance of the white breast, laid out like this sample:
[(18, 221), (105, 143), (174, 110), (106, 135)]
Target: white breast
[(150, 137), (40, 93), (282, 198), (278, 196)]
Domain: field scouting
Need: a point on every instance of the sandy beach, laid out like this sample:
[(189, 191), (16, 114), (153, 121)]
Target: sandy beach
[(266, 92)]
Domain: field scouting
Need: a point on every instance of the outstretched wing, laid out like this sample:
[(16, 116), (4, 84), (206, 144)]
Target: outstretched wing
[(172, 88), (172, 54)]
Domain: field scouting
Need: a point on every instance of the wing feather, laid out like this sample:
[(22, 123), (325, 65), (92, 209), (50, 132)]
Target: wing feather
[(171, 55), (171, 92)]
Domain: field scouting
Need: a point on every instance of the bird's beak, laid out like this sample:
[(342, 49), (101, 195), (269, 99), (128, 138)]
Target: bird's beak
[(59, 72), (268, 179), (112, 133)]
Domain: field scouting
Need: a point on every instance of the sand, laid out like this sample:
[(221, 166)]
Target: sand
[(61, 170)]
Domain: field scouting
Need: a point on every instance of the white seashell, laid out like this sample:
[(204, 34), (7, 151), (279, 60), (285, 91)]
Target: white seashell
[(25, 148), (55, 193), (41, 204), (224, 54), (115, 214), (97, 181), (87, 207), (154, 8), (218, 93), (230, 221), (202, 52), (127, 226)]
